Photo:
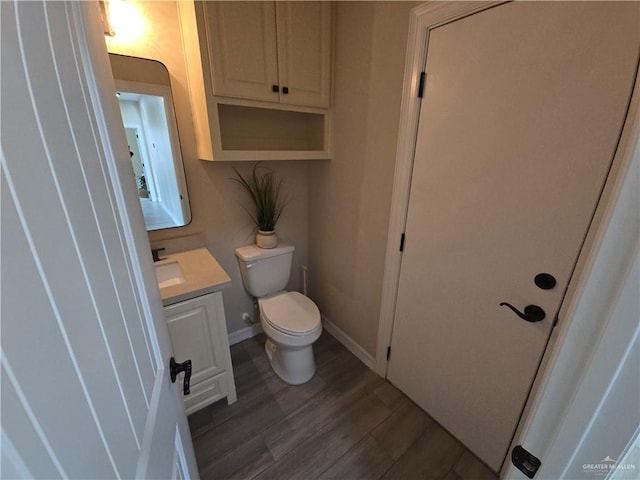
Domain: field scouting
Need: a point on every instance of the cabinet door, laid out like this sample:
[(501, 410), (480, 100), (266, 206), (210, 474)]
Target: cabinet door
[(198, 332), (241, 39), (304, 52)]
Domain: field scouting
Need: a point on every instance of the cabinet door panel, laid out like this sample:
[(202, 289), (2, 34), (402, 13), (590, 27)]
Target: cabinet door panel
[(195, 334), (304, 52), (242, 49), (205, 393)]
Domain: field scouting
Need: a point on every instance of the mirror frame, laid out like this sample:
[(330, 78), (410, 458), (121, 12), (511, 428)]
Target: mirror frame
[(147, 79)]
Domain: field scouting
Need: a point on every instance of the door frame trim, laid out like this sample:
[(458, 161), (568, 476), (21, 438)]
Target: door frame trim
[(550, 394)]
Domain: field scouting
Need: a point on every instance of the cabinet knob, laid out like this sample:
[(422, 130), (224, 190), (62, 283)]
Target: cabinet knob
[(275, 88), (285, 90)]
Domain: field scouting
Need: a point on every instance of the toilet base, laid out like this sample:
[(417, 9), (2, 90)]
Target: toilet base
[(294, 365)]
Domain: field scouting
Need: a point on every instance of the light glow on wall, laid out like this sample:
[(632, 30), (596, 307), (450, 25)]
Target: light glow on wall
[(127, 21)]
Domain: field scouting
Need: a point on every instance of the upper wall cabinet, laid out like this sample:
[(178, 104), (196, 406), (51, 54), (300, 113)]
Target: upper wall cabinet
[(259, 78), (271, 51)]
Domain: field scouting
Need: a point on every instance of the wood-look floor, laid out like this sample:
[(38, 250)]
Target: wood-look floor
[(155, 215), (345, 423)]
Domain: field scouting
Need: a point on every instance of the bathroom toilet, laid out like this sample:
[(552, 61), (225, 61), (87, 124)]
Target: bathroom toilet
[(290, 320)]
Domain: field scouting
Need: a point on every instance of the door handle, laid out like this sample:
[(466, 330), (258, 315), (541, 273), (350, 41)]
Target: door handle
[(175, 368), (532, 313)]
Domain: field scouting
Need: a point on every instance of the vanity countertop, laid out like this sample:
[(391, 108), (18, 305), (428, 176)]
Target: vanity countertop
[(201, 274)]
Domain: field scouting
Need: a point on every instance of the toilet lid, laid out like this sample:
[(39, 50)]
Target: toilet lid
[(291, 313)]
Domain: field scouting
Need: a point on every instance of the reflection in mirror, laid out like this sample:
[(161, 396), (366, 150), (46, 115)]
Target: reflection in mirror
[(146, 106)]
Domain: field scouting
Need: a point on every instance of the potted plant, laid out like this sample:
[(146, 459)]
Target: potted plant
[(143, 192), (265, 191)]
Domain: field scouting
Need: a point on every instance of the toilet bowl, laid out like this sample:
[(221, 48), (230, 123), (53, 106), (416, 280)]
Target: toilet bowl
[(290, 320)]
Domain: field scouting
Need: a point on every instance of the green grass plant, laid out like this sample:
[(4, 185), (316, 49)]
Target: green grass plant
[(265, 190)]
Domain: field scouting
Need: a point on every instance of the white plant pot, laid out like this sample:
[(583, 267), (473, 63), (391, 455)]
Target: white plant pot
[(267, 239)]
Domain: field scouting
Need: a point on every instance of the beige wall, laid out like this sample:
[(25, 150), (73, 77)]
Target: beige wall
[(347, 198), (350, 196), (216, 201)]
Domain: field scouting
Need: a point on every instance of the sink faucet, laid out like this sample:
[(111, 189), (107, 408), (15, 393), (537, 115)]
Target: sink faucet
[(155, 253)]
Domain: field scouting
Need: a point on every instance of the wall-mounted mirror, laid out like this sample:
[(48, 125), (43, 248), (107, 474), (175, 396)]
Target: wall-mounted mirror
[(146, 105)]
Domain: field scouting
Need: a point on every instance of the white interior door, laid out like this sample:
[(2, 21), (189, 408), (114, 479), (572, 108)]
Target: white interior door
[(521, 114), (85, 387)]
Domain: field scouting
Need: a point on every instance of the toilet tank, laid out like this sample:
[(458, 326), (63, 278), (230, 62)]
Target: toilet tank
[(265, 271)]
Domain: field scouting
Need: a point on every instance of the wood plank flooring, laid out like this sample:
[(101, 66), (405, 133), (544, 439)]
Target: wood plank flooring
[(345, 423), (155, 215)]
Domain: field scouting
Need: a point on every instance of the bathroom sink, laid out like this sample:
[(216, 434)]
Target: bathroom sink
[(169, 274), (188, 274)]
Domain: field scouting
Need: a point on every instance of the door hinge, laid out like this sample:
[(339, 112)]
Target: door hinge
[(421, 86), (402, 242), (525, 461), (555, 321), (388, 352)]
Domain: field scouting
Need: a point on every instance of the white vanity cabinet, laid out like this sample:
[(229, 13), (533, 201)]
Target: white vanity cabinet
[(198, 332), (190, 282), (270, 51)]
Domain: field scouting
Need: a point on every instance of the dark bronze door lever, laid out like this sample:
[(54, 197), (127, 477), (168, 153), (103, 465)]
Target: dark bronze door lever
[(532, 313), (175, 368)]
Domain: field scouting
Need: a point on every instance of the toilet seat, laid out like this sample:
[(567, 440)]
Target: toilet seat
[(290, 313)]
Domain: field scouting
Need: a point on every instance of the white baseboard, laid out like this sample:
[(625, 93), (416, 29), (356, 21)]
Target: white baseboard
[(244, 333), (351, 345)]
